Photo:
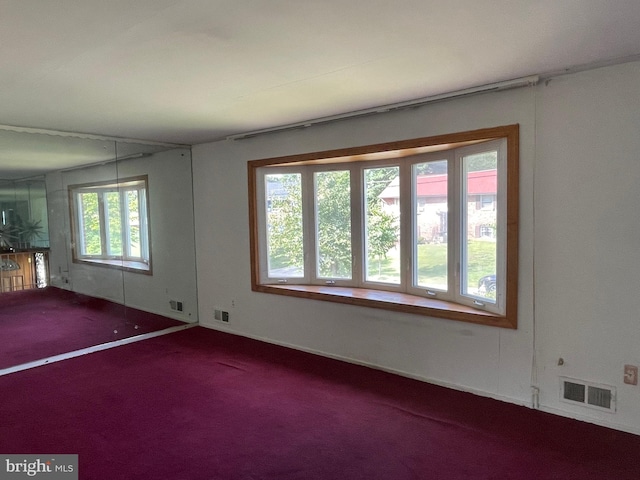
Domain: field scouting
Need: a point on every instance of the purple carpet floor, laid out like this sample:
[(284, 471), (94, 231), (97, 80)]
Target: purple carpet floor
[(200, 404), (40, 323)]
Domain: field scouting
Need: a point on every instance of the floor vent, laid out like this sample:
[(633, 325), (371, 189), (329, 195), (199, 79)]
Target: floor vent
[(588, 394)]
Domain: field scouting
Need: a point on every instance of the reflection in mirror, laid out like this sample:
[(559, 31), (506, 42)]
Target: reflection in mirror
[(23, 214), (157, 221), (24, 238), (95, 283), (111, 223)]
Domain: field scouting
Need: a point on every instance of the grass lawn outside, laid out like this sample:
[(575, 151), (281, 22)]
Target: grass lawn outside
[(432, 265)]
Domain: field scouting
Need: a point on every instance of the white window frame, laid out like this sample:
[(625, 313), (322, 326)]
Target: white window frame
[(309, 194), (377, 285), (126, 260), (263, 247)]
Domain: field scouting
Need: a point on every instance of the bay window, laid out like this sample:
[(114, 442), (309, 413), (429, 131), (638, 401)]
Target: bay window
[(110, 225), (416, 226)]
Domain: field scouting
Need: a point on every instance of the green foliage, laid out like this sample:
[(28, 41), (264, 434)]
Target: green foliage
[(377, 179), (91, 222), (382, 231), (333, 202), (285, 224), (482, 161), (115, 223), (432, 168), (382, 227), (122, 218)]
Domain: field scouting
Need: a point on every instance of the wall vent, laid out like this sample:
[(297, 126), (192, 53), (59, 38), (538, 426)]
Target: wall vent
[(599, 397), (574, 391), (176, 305), (220, 315), (588, 394)]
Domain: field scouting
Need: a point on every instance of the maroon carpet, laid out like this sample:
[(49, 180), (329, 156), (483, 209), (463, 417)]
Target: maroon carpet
[(199, 404), (39, 323)]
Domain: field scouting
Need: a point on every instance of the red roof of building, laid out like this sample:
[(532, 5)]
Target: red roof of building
[(484, 182)]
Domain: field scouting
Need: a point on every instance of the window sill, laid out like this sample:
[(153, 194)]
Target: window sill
[(126, 265), (395, 301)]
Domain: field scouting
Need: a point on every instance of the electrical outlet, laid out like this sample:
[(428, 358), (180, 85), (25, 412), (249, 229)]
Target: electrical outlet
[(631, 374), (225, 316)]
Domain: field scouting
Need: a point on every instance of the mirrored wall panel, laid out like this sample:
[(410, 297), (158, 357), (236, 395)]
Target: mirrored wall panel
[(97, 235)]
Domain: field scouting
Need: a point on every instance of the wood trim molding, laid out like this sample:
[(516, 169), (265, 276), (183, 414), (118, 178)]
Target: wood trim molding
[(394, 301)]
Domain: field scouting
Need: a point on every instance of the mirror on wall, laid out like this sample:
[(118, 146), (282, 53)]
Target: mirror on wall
[(112, 221)]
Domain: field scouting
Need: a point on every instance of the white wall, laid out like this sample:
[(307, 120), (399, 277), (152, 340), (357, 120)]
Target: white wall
[(580, 166), (490, 361), (587, 236), (171, 230)]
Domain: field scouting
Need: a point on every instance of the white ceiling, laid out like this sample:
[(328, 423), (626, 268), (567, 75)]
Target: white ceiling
[(191, 71)]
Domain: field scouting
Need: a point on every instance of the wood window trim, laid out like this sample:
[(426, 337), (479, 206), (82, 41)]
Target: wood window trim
[(395, 301), (386, 300)]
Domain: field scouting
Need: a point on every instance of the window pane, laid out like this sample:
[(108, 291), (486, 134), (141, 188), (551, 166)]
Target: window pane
[(133, 224), (333, 224), (114, 223), (382, 225), (478, 269), (285, 256), (431, 254), (91, 243)]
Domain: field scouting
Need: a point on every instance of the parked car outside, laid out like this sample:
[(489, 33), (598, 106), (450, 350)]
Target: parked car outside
[(487, 285)]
